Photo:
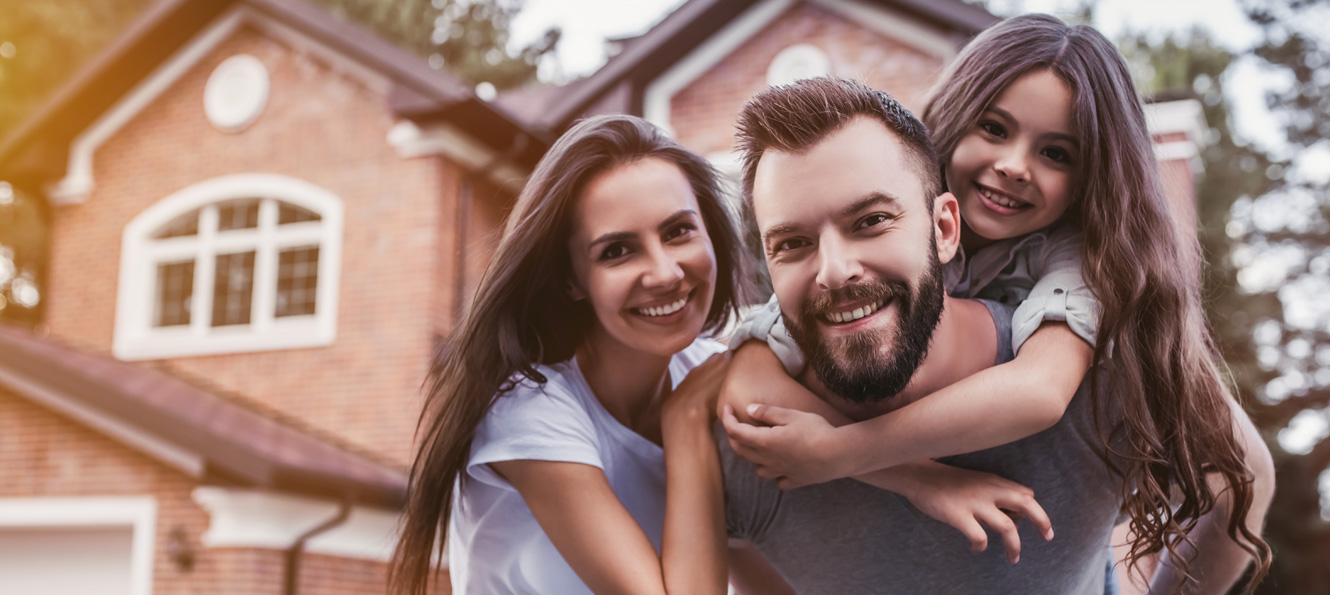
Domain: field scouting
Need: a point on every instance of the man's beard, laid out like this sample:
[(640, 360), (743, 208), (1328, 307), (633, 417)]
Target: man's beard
[(853, 367)]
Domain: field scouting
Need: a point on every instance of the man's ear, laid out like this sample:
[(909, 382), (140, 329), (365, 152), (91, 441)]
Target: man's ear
[(946, 226)]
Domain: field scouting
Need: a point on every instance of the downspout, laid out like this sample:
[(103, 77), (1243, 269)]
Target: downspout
[(292, 573), (467, 196)]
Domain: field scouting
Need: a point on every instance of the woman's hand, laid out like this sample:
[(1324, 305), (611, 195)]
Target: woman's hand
[(795, 449), (971, 500), (694, 400)]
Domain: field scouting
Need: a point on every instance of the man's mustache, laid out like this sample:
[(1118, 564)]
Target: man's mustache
[(823, 303)]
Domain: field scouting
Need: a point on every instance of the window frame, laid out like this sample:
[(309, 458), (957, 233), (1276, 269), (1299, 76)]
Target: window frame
[(136, 298)]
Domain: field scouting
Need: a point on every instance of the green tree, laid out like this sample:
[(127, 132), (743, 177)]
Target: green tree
[(1263, 225)]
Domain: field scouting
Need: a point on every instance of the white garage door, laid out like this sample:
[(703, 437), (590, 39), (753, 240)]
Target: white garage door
[(66, 560)]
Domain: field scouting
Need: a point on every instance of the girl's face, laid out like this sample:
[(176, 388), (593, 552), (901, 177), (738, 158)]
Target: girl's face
[(642, 257), (1014, 172)]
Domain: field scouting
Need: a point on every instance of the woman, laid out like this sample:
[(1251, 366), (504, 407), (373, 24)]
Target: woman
[(550, 403)]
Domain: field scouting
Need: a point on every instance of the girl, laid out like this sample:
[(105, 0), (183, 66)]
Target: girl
[(551, 402), (1041, 136)]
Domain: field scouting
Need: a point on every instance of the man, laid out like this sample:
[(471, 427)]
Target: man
[(843, 186)]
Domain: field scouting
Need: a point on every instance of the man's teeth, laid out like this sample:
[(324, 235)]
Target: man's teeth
[(855, 314), (1000, 200), (665, 310)]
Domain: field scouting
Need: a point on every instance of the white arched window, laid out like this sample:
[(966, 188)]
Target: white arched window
[(245, 262)]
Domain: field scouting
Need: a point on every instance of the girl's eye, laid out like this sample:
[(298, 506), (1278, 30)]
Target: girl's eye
[(613, 251), (993, 128), (678, 231), (1058, 154)]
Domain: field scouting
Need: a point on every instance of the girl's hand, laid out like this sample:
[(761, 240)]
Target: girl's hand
[(971, 500), (696, 397), (795, 449)]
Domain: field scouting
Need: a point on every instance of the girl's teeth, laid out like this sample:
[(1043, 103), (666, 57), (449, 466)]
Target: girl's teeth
[(999, 199)]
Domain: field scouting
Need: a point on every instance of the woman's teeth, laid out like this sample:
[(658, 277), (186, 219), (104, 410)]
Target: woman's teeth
[(665, 310), (855, 314), (1000, 199)]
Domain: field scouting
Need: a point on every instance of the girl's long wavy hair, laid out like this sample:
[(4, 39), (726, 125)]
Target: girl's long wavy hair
[(1177, 425), (521, 315)]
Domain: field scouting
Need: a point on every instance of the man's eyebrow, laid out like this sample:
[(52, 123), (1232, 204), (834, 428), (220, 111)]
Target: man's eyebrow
[(874, 198), (1062, 136), (868, 201)]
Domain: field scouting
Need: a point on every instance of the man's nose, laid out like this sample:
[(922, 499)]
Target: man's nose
[(840, 265)]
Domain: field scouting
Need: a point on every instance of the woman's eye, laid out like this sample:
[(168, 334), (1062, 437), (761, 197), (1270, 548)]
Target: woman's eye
[(613, 251), (993, 128), (679, 231)]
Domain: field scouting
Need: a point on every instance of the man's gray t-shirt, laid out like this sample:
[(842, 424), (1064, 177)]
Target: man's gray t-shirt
[(848, 537)]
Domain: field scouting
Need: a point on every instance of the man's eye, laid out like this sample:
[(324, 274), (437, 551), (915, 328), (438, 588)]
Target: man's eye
[(786, 245), (993, 128), (613, 251), (873, 220)]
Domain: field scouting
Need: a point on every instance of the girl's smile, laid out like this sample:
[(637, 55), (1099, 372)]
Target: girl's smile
[(1014, 172)]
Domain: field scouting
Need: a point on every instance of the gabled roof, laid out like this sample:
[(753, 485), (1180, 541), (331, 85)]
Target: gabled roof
[(644, 57), (215, 439), (36, 151)]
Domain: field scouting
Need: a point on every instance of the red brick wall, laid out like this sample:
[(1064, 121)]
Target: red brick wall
[(323, 126), (703, 113), (43, 454)]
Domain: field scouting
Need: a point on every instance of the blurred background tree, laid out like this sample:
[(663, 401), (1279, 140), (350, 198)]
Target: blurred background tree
[(42, 43)]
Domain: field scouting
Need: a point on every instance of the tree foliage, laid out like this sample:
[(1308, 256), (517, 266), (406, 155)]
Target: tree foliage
[(1263, 224)]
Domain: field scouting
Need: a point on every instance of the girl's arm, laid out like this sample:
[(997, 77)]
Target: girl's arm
[(600, 540), (995, 406)]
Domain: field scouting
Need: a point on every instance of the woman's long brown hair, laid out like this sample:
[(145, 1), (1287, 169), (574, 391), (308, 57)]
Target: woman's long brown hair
[(521, 315), (1153, 348)]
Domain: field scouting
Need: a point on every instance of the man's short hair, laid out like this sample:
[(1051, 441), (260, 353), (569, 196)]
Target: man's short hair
[(792, 118)]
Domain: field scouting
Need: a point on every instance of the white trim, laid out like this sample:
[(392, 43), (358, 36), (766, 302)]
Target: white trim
[(255, 518), (410, 140), (893, 25), (660, 91), (137, 512), (1183, 115), (1180, 149), (188, 462), (78, 181), (136, 338)]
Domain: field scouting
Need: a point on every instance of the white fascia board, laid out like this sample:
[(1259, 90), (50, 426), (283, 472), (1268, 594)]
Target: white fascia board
[(661, 90), (894, 25), (410, 140), (78, 181), (137, 512), (1184, 115), (264, 519), (186, 461)]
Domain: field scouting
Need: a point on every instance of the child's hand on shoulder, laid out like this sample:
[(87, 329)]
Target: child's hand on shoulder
[(971, 500), (795, 448)]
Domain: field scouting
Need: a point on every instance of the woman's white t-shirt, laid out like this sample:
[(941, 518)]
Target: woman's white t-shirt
[(495, 545)]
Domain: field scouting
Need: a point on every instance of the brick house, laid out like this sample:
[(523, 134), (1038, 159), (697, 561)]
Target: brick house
[(263, 218)]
